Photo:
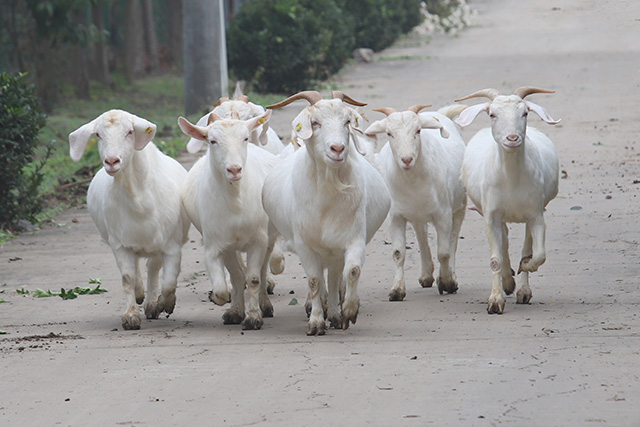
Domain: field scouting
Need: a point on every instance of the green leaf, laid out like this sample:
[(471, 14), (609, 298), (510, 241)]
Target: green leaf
[(293, 301), (95, 281), (22, 291), (2, 300), (3, 332)]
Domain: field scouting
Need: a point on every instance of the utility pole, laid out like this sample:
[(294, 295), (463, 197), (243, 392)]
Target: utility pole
[(205, 54)]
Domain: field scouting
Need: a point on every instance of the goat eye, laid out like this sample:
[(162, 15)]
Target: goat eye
[(213, 141), (525, 114), (493, 116), (130, 132), (97, 135), (315, 124)]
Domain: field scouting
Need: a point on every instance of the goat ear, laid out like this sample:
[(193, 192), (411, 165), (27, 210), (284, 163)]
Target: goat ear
[(469, 114), (376, 127), (144, 132), (428, 121), (79, 138), (302, 124), (365, 144), (255, 123), (540, 111), (198, 135)]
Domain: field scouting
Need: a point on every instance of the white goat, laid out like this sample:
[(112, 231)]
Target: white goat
[(242, 109), (511, 173), (422, 170), (134, 201), (222, 196), (327, 203)]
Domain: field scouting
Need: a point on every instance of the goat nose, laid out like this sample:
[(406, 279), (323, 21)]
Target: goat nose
[(407, 160), (111, 160), (513, 138), (234, 170), (337, 148)]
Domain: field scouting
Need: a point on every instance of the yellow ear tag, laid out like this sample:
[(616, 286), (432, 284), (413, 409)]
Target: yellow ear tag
[(261, 120), (148, 130), (298, 127)]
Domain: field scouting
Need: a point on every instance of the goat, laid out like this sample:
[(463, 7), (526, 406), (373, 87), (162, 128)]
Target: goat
[(134, 200), (511, 174), (422, 171), (327, 203), (222, 196)]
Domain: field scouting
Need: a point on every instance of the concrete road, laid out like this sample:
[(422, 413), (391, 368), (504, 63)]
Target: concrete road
[(570, 358)]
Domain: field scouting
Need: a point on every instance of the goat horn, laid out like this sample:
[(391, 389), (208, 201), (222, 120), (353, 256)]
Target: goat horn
[(235, 115), (221, 100), (336, 94), (528, 90), (244, 98), (212, 118), (310, 95), (385, 110), (416, 108), (488, 93)]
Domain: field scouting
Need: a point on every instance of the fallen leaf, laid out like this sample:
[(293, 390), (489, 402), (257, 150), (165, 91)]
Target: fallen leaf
[(293, 301)]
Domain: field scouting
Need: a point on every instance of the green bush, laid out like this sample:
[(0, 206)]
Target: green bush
[(287, 45), (21, 119)]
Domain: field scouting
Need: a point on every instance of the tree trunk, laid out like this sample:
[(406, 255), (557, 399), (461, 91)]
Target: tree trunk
[(133, 40), (100, 47), (205, 54), (150, 39), (175, 34), (80, 61)]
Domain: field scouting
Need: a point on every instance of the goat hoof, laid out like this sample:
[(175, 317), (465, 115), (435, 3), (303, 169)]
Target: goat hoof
[(397, 295), (335, 321), (496, 306), (131, 321), (252, 322), (152, 310), (267, 308), (426, 282), (271, 284), (317, 328), (232, 317), (168, 303), (448, 286), (220, 298), (524, 296), (276, 264), (508, 284)]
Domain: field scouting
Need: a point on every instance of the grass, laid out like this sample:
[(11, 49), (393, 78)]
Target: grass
[(158, 99)]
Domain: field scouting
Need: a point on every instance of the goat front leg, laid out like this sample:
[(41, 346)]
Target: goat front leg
[(151, 309), (446, 277), (128, 264), (354, 259), (233, 262), (426, 261), (537, 229), (313, 268), (397, 232), (495, 231), (170, 271), (214, 262), (336, 295), (255, 262), (524, 293)]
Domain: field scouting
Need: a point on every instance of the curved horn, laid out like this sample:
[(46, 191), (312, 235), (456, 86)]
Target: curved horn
[(221, 100), (212, 118), (244, 98), (528, 90), (336, 94), (310, 95), (385, 110), (416, 108), (488, 93)]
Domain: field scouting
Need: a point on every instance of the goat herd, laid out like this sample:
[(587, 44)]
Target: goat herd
[(318, 198)]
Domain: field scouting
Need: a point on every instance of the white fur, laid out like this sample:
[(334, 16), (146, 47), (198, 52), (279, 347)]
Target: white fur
[(422, 170), (511, 173), (134, 201), (222, 196), (327, 202)]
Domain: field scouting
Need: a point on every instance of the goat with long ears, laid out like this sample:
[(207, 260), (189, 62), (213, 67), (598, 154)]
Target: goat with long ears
[(511, 174)]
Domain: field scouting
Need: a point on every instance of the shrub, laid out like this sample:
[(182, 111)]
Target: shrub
[(21, 119), (287, 45)]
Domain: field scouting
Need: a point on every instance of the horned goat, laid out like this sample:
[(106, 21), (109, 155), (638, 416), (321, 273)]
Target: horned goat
[(222, 196), (134, 201), (422, 171), (510, 171), (327, 202)]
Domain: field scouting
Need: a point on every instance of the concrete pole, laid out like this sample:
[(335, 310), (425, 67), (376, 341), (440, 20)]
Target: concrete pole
[(205, 55)]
